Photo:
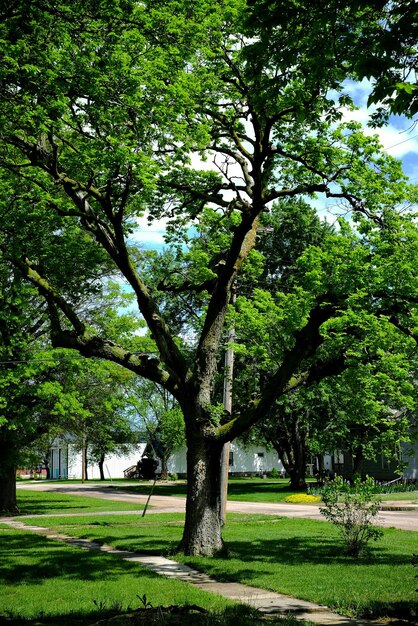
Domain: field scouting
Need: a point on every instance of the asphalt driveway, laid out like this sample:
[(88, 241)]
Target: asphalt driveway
[(391, 516)]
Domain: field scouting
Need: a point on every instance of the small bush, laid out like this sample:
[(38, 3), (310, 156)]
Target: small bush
[(352, 509), (173, 476), (274, 473), (302, 498)]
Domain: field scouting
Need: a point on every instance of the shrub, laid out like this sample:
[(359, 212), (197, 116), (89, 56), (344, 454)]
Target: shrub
[(274, 473), (173, 476), (302, 498), (352, 509)]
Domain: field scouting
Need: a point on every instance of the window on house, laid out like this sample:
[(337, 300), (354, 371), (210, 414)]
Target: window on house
[(260, 455), (231, 458)]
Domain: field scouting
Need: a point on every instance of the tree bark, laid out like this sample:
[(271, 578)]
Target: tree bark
[(101, 464), (297, 477), (290, 445), (164, 466), (202, 529), (84, 452), (8, 504)]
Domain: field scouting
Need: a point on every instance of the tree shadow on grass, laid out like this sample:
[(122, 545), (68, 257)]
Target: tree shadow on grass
[(31, 559), (137, 543), (262, 488), (156, 616), (252, 559), (310, 550), (40, 506), (175, 489), (235, 489)]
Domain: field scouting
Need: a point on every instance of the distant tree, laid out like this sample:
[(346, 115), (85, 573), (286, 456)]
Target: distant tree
[(33, 381), (358, 393), (158, 414), (106, 427)]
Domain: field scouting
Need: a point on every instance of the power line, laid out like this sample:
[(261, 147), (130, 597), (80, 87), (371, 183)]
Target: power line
[(401, 142)]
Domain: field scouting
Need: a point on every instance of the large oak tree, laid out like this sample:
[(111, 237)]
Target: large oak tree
[(108, 112)]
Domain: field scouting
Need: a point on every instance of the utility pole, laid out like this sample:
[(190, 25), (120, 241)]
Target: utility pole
[(83, 456), (227, 401)]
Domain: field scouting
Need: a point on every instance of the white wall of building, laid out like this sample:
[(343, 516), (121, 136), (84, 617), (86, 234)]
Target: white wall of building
[(59, 459), (114, 465), (410, 456), (249, 459)]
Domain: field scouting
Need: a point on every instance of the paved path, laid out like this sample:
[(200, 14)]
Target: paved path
[(406, 519), (267, 602)]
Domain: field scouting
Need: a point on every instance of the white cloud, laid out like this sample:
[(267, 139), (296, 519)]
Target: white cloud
[(150, 235), (398, 138)]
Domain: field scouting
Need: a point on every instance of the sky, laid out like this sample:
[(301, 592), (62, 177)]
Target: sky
[(399, 138)]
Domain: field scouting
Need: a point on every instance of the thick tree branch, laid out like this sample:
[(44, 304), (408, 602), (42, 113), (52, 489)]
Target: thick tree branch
[(307, 340), (89, 345), (113, 241)]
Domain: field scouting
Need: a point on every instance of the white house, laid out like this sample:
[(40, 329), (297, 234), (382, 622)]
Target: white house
[(242, 460), (66, 461)]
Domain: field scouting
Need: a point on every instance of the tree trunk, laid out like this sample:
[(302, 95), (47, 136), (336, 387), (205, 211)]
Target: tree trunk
[(292, 453), (321, 465), (164, 466), (101, 464), (295, 467), (297, 478), (47, 469), (8, 505), (358, 459), (202, 529), (85, 477)]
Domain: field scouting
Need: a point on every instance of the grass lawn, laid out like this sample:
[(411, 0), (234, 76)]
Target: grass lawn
[(47, 582), (242, 489), (297, 557), (247, 489), (49, 502)]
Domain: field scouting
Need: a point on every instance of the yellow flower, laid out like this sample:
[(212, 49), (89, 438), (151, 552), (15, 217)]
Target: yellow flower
[(302, 498)]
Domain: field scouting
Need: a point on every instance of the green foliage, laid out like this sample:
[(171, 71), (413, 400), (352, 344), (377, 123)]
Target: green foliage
[(376, 39), (158, 416), (352, 508), (108, 115)]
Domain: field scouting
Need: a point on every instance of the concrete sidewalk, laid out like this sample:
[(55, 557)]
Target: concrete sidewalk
[(267, 602)]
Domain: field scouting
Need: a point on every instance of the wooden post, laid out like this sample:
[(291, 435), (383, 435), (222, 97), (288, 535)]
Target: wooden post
[(227, 401), (83, 457)]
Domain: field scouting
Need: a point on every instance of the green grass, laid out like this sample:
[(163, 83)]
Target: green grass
[(43, 577), (302, 558), (49, 502), (249, 489), (44, 582), (411, 496), (241, 489)]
